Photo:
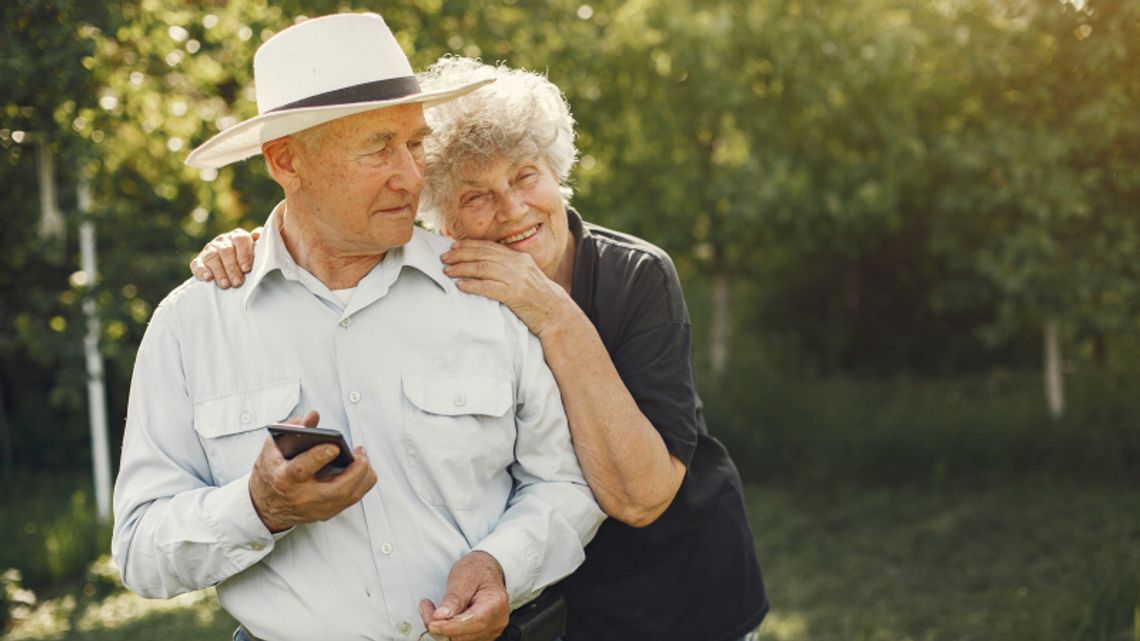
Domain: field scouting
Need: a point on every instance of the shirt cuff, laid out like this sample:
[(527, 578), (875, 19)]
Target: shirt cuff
[(232, 518), (515, 553)]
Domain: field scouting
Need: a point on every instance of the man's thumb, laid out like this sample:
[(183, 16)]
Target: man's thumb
[(451, 604)]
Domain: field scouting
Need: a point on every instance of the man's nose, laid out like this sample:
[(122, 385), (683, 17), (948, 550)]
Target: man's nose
[(407, 171)]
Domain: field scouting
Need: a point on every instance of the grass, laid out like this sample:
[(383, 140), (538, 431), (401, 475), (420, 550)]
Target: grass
[(48, 526), (1013, 562), (1033, 563)]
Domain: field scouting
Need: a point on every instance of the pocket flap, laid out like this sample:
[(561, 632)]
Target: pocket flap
[(246, 410), (487, 395)]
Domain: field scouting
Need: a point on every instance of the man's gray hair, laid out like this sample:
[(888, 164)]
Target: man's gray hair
[(521, 115)]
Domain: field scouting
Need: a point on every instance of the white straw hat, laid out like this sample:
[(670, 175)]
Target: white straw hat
[(320, 70)]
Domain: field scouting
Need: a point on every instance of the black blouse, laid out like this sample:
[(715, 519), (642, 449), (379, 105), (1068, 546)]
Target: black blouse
[(692, 575)]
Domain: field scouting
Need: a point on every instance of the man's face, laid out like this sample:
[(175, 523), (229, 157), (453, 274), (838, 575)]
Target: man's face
[(360, 179), (517, 204)]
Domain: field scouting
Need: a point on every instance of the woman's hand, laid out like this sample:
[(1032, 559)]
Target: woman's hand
[(511, 277), (226, 259)]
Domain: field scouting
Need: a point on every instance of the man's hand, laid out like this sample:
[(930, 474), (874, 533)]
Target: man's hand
[(226, 259), (475, 606), (286, 493)]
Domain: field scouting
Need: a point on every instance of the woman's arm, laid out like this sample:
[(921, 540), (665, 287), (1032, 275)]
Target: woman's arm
[(226, 259), (623, 457)]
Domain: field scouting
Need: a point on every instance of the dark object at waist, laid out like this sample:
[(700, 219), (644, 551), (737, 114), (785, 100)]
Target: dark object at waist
[(543, 619)]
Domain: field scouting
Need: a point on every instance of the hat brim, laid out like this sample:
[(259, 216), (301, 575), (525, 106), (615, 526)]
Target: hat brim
[(246, 138)]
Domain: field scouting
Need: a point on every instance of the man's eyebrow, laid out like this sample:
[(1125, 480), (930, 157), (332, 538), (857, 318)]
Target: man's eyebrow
[(384, 137), (379, 138)]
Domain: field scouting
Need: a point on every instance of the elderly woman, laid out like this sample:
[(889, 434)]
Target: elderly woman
[(676, 560)]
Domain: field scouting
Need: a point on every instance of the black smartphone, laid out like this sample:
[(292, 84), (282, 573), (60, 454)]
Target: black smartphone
[(294, 439)]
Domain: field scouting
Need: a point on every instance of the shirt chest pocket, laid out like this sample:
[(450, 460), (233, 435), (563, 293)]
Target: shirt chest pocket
[(230, 426), (459, 436)]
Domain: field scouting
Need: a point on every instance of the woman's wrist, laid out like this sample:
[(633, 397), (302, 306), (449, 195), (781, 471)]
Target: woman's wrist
[(564, 320)]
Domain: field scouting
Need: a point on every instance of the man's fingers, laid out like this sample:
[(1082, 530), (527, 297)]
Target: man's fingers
[(306, 464), (454, 601), (426, 610), (480, 621), (357, 478)]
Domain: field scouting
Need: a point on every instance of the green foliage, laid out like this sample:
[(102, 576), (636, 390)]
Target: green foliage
[(99, 608), (50, 529), (955, 433), (15, 601), (896, 188)]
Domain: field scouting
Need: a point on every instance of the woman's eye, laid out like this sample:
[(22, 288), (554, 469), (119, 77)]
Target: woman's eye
[(471, 199)]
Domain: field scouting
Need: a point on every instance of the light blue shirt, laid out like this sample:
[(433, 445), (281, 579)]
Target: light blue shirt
[(448, 393)]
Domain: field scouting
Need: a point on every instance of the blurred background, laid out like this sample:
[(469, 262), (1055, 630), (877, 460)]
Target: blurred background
[(908, 232)]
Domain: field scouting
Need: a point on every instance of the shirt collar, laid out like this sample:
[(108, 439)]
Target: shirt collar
[(270, 254), (419, 254), (585, 256)]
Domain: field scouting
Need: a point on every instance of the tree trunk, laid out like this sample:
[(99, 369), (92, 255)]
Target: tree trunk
[(721, 334), (1054, 378), (7, 460)]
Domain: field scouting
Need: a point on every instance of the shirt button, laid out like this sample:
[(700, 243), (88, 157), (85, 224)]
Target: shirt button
[(386, 548), (346, 322), (256, 546), (460, 400), (354, 397), (246, 417), (405, 627)]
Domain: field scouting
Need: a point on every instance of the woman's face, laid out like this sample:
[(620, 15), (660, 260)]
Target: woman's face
[(516, 204)]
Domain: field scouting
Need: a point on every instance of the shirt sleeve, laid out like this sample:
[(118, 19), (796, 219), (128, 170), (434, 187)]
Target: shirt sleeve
[(551, 514), (653, 354), (174, 531)]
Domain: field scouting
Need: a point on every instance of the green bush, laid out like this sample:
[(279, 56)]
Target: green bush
[(931, 432), (51, 532)]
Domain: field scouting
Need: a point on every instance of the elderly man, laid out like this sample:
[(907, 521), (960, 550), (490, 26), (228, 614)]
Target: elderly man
[(464, 490)]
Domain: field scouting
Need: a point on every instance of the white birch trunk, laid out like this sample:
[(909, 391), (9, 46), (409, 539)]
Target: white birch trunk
[(1054, 377), (96, 396), (721, 334), (52, 226)]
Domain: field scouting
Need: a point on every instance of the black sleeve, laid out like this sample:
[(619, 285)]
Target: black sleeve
[(654, 356)]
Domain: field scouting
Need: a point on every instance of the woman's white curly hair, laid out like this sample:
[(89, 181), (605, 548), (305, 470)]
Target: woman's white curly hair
[(520, 115)]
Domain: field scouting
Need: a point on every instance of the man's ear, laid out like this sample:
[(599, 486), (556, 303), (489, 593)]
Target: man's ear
[(281, 159)]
